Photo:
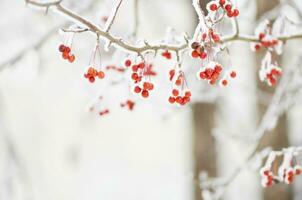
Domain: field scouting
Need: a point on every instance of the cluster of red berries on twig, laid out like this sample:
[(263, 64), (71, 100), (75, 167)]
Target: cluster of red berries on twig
[(224, 5), (180, 93), (266, 41), (212, 73), (269, 179), (272, 76), (66, 53), (273, 173), (141, 72), (92, 74), (198, 51)]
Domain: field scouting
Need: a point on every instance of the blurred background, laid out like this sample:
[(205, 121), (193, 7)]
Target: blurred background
[(53, 148)]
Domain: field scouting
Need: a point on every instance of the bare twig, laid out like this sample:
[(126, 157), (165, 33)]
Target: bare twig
[(112, 16)]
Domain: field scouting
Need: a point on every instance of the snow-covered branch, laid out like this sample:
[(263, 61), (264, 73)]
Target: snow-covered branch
[(148, 47)]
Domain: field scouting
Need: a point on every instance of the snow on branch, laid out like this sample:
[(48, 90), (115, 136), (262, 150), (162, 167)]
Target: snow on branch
[(120, 43)]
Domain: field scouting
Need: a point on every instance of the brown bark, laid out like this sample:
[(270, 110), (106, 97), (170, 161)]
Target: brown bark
[(203, 141)]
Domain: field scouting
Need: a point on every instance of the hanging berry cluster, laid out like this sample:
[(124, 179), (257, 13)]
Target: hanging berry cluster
[(65, 48), (141, 76), (272, 173), (269, 71), (180, 93), (206, 45), (225, 6), (94, 70), (66, 53)]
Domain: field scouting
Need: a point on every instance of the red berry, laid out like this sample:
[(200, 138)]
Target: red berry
[(195, 54), (178, 82), (137, 89), (101, 75), (224, 82), (235, 12), (171, 100), (175, 92), (71, 58), (141, 65), (222, 2), (67, 49), (230, 14), (62, 48), (150, 86), (145, 93), (179, 100), (91, 79), (228, 7), (215, 37), (218, 68), (261, 36), (134, 76), (65, 55), (257, 46), (233, 74), (188, 94), (128, 63), (213, 7), (203, 55), (135, 68), (202, 75)]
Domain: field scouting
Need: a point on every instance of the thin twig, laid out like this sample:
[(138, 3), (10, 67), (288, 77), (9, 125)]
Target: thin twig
[(112, 16)]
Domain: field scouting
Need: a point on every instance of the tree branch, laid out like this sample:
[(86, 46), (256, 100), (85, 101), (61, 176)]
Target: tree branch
[(140, 49)]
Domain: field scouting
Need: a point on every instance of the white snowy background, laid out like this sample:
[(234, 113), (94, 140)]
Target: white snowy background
[(51, 148)]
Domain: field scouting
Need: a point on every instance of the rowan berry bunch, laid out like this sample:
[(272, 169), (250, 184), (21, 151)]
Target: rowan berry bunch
[(273, 173), (66, 53), (65, 48), (269, 72), (95, 72), (141, 76), (223, 7), (180, 93)]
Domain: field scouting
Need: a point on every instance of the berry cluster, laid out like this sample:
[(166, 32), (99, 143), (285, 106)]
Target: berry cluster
[(181, 99), (198, 51), (225, 6), (180, 93), (92, 73), (129, 104), (272, 75), (273, 172), (267, 177), (167, 55), (266, 41), (140, 72), (66, 53), (212, 73), (145, 89), (288, 175)]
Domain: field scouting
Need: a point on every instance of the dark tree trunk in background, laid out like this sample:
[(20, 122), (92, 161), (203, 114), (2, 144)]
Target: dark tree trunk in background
[(203, 141), (277, 138)]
